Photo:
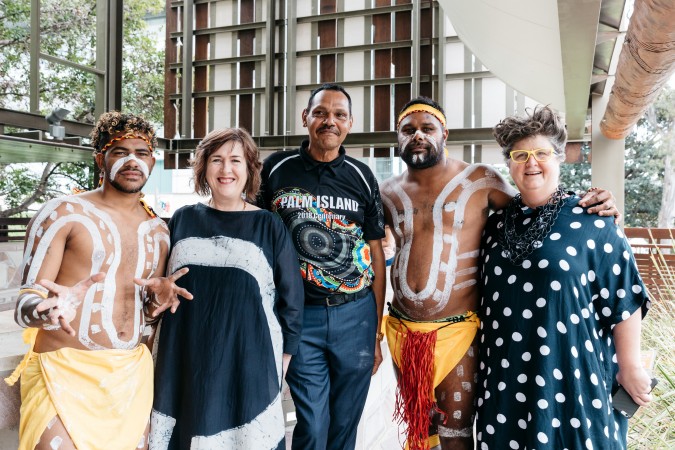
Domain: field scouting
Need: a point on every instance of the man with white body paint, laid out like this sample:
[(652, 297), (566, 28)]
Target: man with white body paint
[(437, 210), (90, 283)]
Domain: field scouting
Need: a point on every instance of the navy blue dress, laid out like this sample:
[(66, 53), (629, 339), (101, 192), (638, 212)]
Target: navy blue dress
[(547, 356), (218, 368)]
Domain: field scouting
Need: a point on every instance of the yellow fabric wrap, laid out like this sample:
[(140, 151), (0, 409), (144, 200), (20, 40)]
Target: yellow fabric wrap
[(452, 342), (102, 397)]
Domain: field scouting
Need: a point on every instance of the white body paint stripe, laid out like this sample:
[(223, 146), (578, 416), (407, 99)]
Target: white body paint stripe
[(429, 291), (121, 162)]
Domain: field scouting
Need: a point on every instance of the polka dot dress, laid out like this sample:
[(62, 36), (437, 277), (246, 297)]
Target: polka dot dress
[(547, 357)]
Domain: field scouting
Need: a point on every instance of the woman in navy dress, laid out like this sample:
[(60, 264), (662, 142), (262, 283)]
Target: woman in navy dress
[(561, 308), (221, 357)]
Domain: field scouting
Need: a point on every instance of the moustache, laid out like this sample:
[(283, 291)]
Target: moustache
[(330, 128)]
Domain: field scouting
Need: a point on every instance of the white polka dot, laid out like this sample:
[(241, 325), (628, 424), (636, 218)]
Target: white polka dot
[(571, 251), (608, 248), (604, 293), (487, 312), (512, 279), (561, 327), (499, 342), (495, 324), (577, 375), (544, 350), (526, 264), (541, 437), (522, 378), (585, 313), (495, 296), (591, 276), (564, 265), (543, 264), (574, 319), (484, 446), (636, 289), (594, 379), (514, 444), (540, 380), (606, 431), (526, 221), (501, 418), (559, 397), (599, 223), (597, 404), (541, 302), (621, 293), (555, 285), (575, 225), (557, 374), (541, 332), (616, 269), (527, 287), (520, 397), (626, 255), (490, 429), (575, 422), (542, 404), (589, 345), (527, 356), (501, 386), (555, 423), (590, 244), (625, 315), (522, 424), (589, 444), (505, 363), (517, 336), (498, 270), (606, 311), (577, 210), (576, 291), (575, 353), (507, 311), (619, 233), (583, 279), (555, 236), (527, 314)]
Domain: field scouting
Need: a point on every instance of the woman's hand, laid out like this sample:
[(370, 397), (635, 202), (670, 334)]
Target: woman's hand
[(637, 382), (163, 292)]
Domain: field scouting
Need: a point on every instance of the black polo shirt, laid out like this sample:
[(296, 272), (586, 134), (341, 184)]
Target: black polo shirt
[(331, 209)]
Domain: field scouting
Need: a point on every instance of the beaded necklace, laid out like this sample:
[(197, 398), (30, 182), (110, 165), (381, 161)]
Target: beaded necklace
[(518, 246)]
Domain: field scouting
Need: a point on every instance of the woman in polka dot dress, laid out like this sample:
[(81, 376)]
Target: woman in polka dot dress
[(561, 308)]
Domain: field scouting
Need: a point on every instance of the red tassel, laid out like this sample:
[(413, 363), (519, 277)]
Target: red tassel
[(414, 402)]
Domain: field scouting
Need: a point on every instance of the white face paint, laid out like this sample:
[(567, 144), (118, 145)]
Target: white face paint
[(142, 166)]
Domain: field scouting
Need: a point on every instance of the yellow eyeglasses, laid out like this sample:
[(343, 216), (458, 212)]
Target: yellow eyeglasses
[(522, 156)]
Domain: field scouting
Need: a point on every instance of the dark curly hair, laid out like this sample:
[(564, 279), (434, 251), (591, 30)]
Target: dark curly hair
[(113, 122), (542, 121), (212, 142)]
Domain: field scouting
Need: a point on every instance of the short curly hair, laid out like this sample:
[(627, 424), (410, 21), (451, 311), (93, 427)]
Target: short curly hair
[(113, 122), (212, 142), (542, 121)]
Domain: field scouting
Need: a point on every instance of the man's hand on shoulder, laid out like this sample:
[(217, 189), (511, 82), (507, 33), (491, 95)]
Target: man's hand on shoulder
[(601, 202)]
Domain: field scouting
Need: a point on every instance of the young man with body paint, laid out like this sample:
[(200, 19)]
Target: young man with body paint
[(331, 204), (91, 280), (437, 210)]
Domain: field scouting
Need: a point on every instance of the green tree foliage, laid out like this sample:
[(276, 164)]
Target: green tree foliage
[(68, 31), (646, 152)]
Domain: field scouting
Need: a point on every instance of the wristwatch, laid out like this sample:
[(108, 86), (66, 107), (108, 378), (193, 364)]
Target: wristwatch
[(379, 337)]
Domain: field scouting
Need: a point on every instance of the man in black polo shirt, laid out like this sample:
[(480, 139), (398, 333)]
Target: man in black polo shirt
[(331, 204)]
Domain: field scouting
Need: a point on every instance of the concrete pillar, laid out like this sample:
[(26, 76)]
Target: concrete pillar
[(608, 155)]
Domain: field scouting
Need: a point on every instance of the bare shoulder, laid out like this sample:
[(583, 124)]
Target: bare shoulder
[(388, 184)]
